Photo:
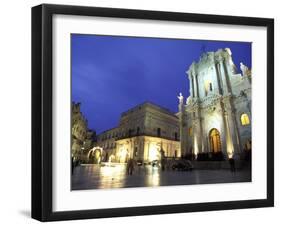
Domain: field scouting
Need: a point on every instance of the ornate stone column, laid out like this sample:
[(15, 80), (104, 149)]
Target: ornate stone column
[(145, 150), (141, 149), (223, 128), (229, 143), (191, 85), (195, 85), (182, 121), (223, 74), (116, 150), (234, 132), (218, 77), (198, 141)]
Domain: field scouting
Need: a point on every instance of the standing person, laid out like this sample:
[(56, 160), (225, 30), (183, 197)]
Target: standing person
[(72, 164), (130, 166), (232, 165)]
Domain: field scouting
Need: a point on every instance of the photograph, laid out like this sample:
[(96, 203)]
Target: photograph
[(150, 112)]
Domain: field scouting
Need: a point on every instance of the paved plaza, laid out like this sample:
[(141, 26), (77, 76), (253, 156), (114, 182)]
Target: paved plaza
[(95, 176)]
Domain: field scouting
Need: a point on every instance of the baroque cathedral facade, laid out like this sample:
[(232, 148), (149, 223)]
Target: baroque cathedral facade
[(215, 119)]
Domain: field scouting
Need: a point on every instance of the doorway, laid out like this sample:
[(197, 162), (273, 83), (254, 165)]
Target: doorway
[(215, 141)]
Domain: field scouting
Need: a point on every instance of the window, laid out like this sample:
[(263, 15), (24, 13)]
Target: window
[(136, 152), (176, 136), (158, 132), (138, 131), (245, 119), (211, 87)]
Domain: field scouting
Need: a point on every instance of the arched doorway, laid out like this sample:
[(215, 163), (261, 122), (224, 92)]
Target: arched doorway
[(95, 155), (215, 141)]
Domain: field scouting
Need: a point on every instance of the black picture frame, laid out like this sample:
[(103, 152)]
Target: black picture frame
[(42, 107)]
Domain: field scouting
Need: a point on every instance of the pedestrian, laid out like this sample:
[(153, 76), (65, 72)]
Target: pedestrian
[(72, 165), (130, 166), (163, 160), (232, 164)]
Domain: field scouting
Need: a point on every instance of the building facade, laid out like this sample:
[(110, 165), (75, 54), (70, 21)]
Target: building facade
[(145, 133), (82, 138), (216, 117)]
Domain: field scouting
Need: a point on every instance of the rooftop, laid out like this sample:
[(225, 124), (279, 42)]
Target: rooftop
[(149, 104)]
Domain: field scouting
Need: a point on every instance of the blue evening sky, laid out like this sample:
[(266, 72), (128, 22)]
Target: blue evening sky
[(111, 74)]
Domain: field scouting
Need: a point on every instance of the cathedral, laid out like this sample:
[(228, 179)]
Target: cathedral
[(215, 119)]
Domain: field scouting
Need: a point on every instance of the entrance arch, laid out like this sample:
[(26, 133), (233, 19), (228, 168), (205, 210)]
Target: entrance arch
[(95, 155), (215, 140)]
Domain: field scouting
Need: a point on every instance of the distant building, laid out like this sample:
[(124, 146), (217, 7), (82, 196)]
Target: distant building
[(82, 138), (145, 133), (216, 118), (106, 141)]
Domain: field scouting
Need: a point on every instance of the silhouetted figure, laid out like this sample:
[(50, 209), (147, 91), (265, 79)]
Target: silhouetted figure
[(72, 165), (163, 160), (130, 166), (232, 165)]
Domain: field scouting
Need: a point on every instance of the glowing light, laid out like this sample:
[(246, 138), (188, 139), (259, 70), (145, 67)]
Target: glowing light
[(195, 145), (153, 153), (111, 158), (245, 119), (153, 176), (123, 155), (155, 179), (229, 144), (110, 174), (230, 155), (97, 153)]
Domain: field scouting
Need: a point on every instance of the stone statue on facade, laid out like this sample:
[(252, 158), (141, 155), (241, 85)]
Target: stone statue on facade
[(244, 69), (180, 97)]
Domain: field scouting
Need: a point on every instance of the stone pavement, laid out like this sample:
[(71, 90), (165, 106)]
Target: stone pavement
[(114, 176)]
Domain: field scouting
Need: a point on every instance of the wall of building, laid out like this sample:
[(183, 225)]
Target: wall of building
[(82, 139), (142, 130)]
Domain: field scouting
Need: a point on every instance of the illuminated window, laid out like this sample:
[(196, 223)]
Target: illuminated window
[(190, 131), (245, 119)]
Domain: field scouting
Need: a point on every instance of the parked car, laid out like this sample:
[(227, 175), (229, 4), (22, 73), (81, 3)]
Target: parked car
[(182, 165)]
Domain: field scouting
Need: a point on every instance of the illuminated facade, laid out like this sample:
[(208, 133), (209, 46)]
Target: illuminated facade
[(78, 130), (216, 117), (145, 133), (82, 138)]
